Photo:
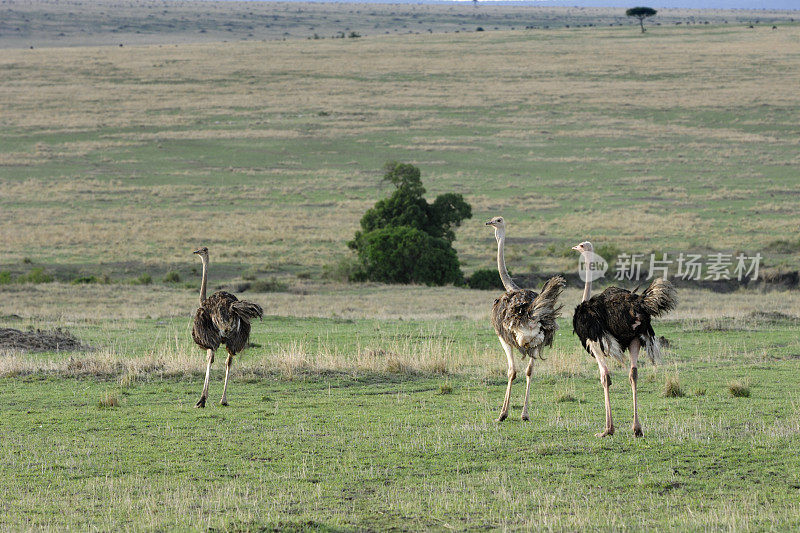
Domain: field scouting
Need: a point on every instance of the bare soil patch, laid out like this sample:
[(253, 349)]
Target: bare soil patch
[(57, 340)]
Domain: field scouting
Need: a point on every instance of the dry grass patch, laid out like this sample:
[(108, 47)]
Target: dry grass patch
[(672, 388), (739, 389)]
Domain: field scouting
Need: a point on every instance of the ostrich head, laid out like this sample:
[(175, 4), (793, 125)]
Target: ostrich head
[(203, 253), (499, 226), (584, 247)]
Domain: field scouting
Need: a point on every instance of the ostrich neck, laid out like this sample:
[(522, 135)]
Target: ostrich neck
[(204, 282), (587, 288), (508, 283)]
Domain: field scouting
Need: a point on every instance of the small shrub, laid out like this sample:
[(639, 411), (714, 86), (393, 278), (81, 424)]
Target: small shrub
[(354, 35), (83, 280), (565, 397), (172, 276), (700, 391), (5, 277), (445, 388), (27, 260), (268, 285), (304, 275), (485, 279), (738, 389), (144, 279), (108, 400), (37, 275), (672, 388), (609, 252)]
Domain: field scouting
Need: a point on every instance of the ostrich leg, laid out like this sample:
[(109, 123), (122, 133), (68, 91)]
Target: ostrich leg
[(512, 373), (605, 380), (209, 359), (633, 376), (528, 372), (228, 361)]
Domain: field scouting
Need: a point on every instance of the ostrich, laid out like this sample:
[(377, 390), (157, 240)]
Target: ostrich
[(616, 320), (522, 318), (221, 319)]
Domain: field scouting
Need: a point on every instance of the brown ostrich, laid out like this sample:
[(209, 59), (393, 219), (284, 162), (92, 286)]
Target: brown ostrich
[(221, 319), (617, 320), (523, 319)]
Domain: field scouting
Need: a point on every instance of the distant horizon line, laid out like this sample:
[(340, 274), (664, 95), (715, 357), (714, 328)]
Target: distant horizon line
[(696, 5)]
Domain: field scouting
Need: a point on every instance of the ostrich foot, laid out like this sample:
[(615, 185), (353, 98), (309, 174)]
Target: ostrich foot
[(223, 402), (607, 433), (201, 402), (637, 431), (525, 417), (502, 417)]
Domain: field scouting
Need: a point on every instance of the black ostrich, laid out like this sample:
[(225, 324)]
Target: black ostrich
[(616, 320), (221, 319), (522, 318)]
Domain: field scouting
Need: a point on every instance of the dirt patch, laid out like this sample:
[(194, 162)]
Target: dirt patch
[(56, 340)]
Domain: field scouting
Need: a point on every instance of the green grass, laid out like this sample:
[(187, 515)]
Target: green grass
[(383, 453), (353, 448)]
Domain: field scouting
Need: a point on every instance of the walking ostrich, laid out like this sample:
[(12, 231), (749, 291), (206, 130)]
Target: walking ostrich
[(221, 319), (616, 320), (522, 318)]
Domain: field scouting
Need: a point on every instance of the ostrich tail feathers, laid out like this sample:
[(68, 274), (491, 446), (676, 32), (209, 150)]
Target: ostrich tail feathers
[(545, 308), (653, 348), (660, 297), (247, 310), (548, 298)]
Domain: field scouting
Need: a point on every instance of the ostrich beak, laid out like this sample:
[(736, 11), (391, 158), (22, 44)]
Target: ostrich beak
[(196, 252), (577, 248), (489, 223)]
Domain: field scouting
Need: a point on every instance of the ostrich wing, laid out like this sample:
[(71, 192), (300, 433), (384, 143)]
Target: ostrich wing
[(220, 308), (204, 332)]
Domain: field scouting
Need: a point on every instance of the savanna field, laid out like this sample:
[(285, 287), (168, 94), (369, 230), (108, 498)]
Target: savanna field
[(364, 406)]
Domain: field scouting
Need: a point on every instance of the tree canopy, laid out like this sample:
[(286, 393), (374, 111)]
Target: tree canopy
[(641, 13)]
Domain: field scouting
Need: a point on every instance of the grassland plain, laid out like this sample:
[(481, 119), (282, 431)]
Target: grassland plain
[(270, 152), (364, 406)]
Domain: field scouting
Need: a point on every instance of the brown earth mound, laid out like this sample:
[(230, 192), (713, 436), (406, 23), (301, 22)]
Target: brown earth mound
[(39, 341)]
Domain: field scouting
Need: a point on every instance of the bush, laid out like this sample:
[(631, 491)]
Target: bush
[(485, 279), (268, 285), (172, 277), (407, 255), (5, 277), (144, 279), (609, 252), (37, 275), (80, 280), (406, 220)]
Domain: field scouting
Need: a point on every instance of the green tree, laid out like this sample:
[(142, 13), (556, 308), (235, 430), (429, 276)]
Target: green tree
[(434, 233), (403, 254), (641, 13)]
